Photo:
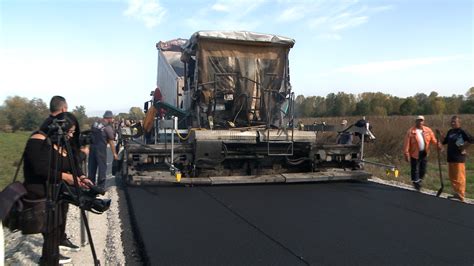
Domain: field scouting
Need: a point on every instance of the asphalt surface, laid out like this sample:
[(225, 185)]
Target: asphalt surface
[(342, 223)]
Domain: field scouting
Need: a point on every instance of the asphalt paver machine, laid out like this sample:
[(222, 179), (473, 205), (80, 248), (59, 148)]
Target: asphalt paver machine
[(223, 113)]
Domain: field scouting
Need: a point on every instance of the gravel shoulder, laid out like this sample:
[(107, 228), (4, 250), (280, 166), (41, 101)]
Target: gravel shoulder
[(106, 230), (408, 187)]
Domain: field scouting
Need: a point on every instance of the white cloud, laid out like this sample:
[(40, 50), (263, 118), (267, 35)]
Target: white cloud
[(223, 24), (329, 18), (227, 15), (241, 7), (292, 14), (326, 19), (220, 7), (330, 36), (316, 22), (347, 23), (395, 65), (149, 12), (381, 8)]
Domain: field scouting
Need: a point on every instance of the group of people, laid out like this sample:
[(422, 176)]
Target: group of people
[(52, 158), (416, 146), (416, 149)]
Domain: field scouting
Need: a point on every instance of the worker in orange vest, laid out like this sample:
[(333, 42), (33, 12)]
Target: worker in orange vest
[(416, 149)]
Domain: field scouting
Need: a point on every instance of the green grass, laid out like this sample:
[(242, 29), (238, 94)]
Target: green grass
[(11, 149)]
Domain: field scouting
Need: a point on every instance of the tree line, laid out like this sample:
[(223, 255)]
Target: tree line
[(21, 113), (381, 104)]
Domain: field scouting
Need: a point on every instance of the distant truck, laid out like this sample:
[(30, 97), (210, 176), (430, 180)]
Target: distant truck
[(223, 112)]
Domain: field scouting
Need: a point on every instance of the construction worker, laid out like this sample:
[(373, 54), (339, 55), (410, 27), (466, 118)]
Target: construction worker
[(416, 148), (344, 137), (102, 134), (151, 114), (457, 140)]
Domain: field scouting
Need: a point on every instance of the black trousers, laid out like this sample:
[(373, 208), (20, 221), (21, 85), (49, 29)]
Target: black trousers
[(418, 167)]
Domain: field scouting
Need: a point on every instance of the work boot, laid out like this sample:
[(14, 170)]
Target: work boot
[(63, 259), (455, 197), (417, 185), (66, 244)]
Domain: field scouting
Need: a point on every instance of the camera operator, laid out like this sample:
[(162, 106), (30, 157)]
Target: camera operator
[(102, 134), (44, 158), (57, 105)]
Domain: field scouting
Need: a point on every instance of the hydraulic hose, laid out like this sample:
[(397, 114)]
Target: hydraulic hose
[(189, 133)]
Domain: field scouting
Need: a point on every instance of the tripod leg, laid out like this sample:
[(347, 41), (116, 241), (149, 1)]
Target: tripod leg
[(2, 243), (83, 232), (89, 236), (50, 254)]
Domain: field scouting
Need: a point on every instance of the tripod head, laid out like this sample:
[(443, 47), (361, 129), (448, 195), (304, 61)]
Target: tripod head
[(57, 129), (58, 126)]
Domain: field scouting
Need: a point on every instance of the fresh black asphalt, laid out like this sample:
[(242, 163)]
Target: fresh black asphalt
[(333, 223)]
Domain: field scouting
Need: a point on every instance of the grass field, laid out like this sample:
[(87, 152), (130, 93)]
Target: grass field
[(11, 149)]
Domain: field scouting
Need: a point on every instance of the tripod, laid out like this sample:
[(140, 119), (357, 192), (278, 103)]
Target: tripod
[(54, 184)]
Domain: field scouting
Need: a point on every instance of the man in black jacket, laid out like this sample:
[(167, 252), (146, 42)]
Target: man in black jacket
[(457, 140)]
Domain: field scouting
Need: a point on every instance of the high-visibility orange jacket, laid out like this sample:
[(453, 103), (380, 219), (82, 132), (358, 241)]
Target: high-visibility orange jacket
[(410, 145), (149, 119)]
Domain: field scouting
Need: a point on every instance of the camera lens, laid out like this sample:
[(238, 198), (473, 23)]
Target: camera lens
[(101, 205)]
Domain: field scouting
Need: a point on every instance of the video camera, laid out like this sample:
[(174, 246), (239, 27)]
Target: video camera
[(58, 124), (56, 129), (88, 199), (85, 138)]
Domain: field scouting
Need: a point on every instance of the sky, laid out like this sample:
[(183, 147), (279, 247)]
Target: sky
[(101, 53)]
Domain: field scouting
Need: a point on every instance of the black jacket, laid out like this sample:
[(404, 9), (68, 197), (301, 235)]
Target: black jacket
[(456, 139)]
